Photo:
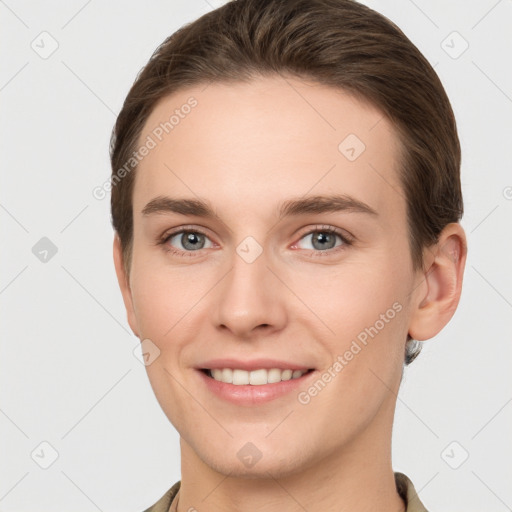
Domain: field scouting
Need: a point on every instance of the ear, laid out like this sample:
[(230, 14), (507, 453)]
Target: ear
[(439, 293), (124, 285)]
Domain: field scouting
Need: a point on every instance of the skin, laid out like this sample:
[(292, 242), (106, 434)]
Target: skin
[(246, 148)]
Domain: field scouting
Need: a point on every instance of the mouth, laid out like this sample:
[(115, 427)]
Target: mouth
[(251, 382), (258, 377), (250, 388)]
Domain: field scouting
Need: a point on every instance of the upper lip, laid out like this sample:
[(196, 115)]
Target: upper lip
[(253, 364)]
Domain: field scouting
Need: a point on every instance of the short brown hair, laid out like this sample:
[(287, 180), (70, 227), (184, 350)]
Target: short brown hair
[(339, 43)]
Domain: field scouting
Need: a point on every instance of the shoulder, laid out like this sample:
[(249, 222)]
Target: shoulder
[(406, 489), (163, 504)]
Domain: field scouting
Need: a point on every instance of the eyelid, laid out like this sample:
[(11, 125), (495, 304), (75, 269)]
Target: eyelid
[(184, 227)]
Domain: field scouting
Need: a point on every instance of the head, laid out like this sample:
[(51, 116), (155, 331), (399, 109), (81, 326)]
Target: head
[(249, 108)]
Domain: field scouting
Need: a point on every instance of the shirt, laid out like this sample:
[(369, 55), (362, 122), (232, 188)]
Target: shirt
[(169, 501)]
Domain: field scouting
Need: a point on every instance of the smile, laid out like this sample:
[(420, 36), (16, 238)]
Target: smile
[(254, 387), (258, 377)]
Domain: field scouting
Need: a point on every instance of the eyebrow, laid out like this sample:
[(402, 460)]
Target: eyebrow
[(291, 207)]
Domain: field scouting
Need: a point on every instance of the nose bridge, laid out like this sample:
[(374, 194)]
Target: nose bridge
[(249, 296)]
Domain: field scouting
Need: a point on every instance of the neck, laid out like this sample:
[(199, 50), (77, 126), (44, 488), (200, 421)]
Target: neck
[(359, 477)]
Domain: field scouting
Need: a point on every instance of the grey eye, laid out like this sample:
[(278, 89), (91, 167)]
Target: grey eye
[(321, 240), (189, 240)]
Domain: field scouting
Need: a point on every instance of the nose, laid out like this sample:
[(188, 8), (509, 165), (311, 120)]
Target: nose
[(250, 299)]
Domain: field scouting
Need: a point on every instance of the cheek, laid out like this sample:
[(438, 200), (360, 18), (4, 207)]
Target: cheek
[(158, 301), (163, 294), (350, 296), (362, 310), (368, 334)]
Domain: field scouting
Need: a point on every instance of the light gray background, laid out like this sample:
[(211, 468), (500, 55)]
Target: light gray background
[(69, 377)]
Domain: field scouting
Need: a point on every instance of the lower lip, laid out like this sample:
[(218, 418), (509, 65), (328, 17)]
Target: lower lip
[(253, 395)]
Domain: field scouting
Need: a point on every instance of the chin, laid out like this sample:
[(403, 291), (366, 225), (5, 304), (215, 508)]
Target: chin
[(236, 462)]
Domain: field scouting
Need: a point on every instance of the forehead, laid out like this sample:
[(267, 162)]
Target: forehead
[(255, 144)]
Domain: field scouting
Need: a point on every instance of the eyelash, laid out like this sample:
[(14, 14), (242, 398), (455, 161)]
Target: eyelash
[(315, 253)]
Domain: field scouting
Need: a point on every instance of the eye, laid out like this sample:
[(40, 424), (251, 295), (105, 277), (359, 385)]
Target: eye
[(323, 239), (186, 241)]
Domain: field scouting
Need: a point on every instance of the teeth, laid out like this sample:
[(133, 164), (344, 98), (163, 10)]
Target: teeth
[(227, 375), (255, 377), (240, 377)]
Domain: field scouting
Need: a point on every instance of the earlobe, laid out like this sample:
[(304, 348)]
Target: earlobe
[(443, 280), (124, 284)]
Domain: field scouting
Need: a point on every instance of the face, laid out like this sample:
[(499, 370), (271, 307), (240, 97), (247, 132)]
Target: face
[(264, 277)]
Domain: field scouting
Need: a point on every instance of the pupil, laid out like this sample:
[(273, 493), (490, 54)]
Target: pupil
[(322, 238), (192, 241)]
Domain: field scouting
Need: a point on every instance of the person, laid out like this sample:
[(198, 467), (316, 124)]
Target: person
[(286, 198)]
